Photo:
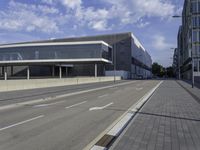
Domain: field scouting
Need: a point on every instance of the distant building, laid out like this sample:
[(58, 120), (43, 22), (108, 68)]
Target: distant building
[(79, 56), (189, 40)]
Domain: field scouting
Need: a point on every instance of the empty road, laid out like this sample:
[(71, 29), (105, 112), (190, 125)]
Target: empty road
[(69, 122)]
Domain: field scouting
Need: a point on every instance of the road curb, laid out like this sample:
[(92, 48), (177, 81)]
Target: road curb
[(113, 133)]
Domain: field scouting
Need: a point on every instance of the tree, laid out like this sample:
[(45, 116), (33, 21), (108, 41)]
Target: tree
[(170, 72), (157, 70)]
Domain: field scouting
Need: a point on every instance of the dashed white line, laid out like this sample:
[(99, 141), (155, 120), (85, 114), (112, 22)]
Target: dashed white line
[(99, 108), (75, 104), (139, 89), (60, 96), (103, 96), (50, 104), (22, 122)]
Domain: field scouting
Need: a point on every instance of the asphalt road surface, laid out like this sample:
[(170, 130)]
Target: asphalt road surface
[(67, 123)]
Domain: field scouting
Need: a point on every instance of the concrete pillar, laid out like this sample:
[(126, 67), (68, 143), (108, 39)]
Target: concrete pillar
[(11, 68), (2, 71), (66, 71), (53, 71), (60, 72), (28, 73), (104, 70), (95, 70), (5, 73)]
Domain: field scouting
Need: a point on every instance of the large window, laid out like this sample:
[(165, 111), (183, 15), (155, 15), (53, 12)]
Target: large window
[(195, 36), (85, 51), (195, 7), (199, 66), (196, 50), (196, 21), (195, 65)]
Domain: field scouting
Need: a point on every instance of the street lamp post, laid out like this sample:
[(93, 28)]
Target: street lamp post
[(114, 60), (192, 69)]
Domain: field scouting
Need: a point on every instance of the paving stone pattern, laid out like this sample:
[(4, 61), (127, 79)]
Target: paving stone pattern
[(170, 120)]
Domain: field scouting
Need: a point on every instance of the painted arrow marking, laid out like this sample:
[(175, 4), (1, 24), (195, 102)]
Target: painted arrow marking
[(100, 108)]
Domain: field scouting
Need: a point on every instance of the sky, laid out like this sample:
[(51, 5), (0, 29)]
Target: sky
[(149, 20)]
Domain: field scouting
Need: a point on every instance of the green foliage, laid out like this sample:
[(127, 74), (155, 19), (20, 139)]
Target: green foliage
[(159, 71)]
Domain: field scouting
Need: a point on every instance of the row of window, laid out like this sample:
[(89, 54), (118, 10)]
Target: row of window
[(196, 21), (55, 52), (196, 36), (196, 50), (195, 7), (196, 65)]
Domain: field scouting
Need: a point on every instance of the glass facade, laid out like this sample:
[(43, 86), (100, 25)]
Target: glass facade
[(195, 65), (199, 66), (196, 21), (195, 14), (84, 51), (195, 6)]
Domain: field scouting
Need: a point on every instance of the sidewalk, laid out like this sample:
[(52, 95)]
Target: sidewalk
[(170, 120)]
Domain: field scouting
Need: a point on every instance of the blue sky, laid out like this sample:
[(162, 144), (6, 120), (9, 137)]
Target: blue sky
[(149, 20)]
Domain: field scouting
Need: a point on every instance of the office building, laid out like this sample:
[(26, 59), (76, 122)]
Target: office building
[(102, 55), (189, 40)]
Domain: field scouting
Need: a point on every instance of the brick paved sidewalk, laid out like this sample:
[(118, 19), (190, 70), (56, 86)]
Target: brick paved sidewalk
[(195, 91), (170, 120)]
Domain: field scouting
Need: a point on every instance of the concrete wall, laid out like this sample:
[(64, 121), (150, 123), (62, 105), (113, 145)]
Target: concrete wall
[(13, 85), (123, 74)]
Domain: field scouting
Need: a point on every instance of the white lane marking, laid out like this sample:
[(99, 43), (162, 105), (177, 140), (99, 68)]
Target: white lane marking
[(114, 88), (139, 89), (60, 96), (75, 104), (50, 104), (103, 95), (99, 108), (22, 122), (138, 105), (112, 126)]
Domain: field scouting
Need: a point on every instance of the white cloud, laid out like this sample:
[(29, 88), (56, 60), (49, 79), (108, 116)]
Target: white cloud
[(71, 3), (99, 25), (141, 23), (24, 17), (10, 37), (160, 43), (47, 1), (96, 19), (46, 17), (47, 10), (161, 50), (132, 11), (155, 8), (125, 12)]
